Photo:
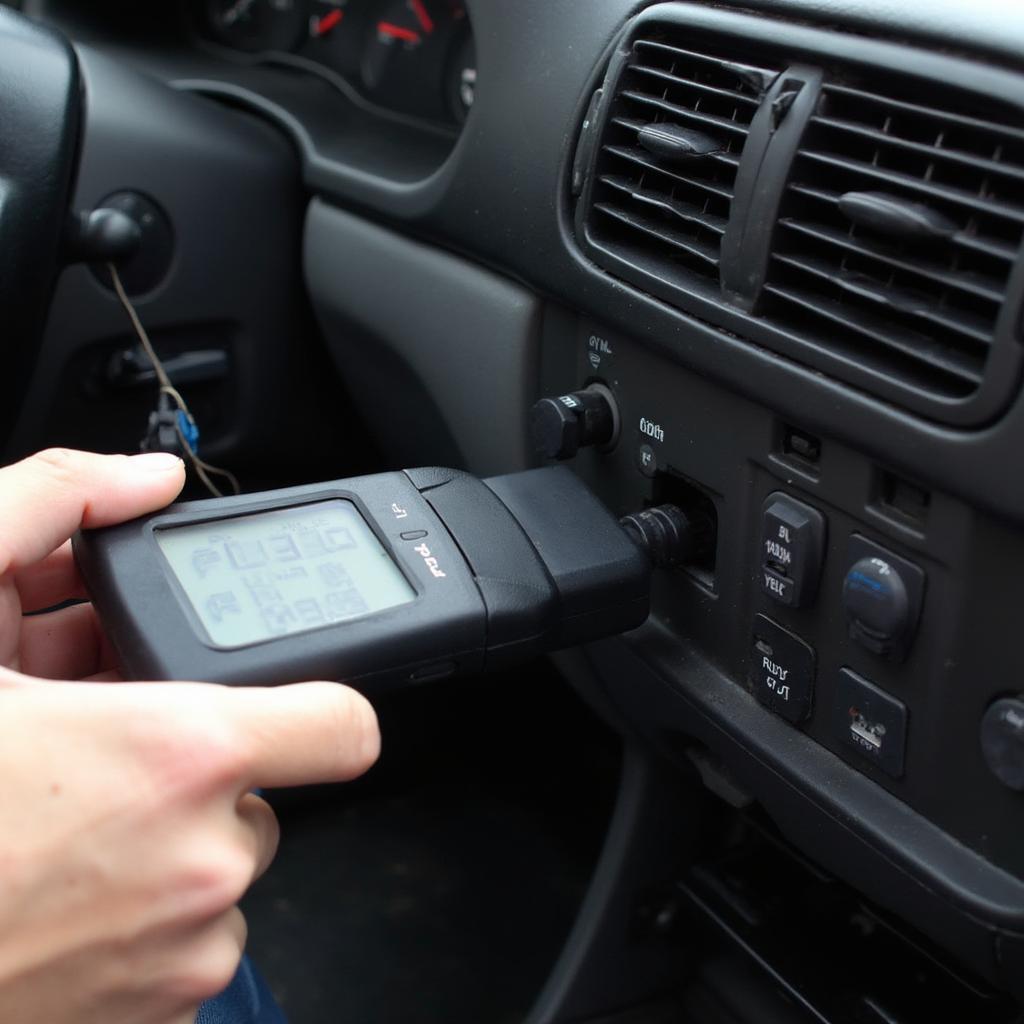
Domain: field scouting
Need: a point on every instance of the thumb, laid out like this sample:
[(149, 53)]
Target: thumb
[(45, 498), (303, 733)]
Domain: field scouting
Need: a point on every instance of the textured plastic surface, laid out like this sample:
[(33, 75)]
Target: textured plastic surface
[(466, 337), (40, 103)]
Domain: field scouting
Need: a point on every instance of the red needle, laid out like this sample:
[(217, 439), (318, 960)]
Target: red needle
[(388, 28), (328, 21), (425, 20)]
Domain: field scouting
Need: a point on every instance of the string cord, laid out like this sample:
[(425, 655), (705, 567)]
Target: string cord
[(203, 469)]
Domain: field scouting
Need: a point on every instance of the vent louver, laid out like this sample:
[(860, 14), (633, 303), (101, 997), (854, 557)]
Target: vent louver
[(664, 177), (898, 230)]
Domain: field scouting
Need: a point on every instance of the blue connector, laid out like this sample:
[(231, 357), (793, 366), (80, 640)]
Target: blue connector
[(189, 431)]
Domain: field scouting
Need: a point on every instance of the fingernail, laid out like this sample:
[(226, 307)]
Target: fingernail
[(156, 462)]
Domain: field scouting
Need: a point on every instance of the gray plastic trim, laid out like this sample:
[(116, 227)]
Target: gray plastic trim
[(470, 336)]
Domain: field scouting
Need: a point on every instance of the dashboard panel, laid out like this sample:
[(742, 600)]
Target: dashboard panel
[(413, 56)]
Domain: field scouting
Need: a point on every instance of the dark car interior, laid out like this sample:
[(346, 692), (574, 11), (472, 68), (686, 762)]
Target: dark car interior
[(776, 244)]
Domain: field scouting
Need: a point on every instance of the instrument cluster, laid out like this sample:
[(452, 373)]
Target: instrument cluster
[(412, 56)]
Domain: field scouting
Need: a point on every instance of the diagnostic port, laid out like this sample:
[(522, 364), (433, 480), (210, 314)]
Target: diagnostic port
[(673, 488)]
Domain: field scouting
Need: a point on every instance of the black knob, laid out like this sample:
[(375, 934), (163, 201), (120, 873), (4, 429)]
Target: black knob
[(563, 425), (101, 236), (150, 262), (877, 604), (1002, 741)]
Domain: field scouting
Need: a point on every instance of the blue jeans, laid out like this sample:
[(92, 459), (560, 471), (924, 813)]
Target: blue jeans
[(247, 1000)]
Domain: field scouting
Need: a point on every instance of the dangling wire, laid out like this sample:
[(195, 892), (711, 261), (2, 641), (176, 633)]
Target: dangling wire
[(203, 469)]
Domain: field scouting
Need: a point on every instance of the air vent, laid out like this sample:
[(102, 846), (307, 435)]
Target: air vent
[(665, 175), (897, 234)]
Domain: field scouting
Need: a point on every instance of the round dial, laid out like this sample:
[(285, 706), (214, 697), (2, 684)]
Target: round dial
[(256, 25), (412, 50)]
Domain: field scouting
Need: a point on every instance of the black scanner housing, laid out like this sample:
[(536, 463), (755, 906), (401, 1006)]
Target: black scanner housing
[(532, 562)]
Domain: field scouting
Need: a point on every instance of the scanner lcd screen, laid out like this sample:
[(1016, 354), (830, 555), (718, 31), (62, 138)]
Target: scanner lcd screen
[(289, 570)]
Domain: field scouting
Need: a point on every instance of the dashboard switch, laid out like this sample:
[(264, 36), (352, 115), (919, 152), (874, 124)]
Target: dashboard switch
[(562, 425), (1002, 741), (882, 598), (792, 548), (782, 670), (872, 721)]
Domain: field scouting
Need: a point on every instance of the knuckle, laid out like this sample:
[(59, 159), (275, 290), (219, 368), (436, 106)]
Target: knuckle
[(57, 462), (193, 754), (219, 967), (220, 753), (218, 881), (207, 969)]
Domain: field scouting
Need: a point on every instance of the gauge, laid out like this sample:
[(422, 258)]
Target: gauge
[(401, 30), (461, 79), (410, 48), (333, 35), (255, 25), (325, 19)]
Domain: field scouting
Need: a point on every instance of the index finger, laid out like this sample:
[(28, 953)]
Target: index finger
[(303, 733), (45, 498)]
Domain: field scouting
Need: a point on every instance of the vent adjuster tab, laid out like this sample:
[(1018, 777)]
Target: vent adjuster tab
[(673, 142), (899, 218)]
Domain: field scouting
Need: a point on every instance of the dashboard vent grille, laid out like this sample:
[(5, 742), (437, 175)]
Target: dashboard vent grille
[(666, 170), (897, 234)]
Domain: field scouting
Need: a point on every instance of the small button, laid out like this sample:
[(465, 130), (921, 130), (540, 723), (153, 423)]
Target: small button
[(428, 673), (871, 721), (413, 535), (777, 586), (646, 460), (1002, 741), (782, 670), (792, 547)]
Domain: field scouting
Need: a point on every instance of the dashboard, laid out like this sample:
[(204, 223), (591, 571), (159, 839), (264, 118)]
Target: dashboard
[(416, 57), (785, 238)]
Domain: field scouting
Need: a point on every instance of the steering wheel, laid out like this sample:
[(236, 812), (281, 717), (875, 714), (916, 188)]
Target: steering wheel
[(40, 118)]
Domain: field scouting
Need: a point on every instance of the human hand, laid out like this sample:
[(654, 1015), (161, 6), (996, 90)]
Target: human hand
[(43, 501), (128, 831)]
